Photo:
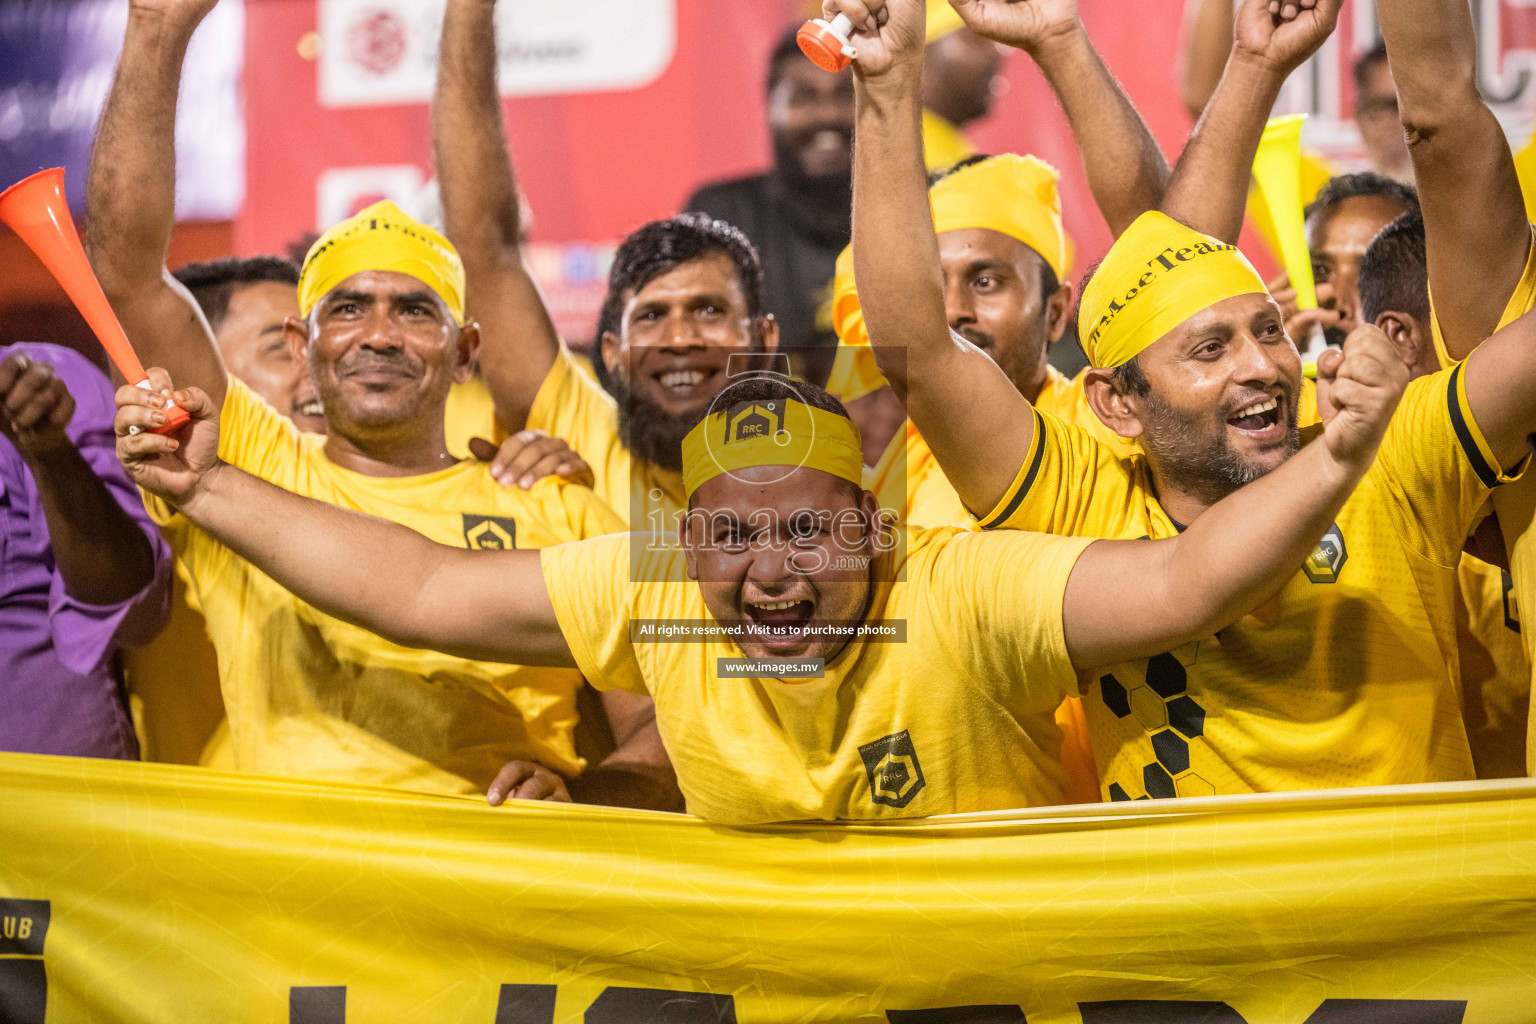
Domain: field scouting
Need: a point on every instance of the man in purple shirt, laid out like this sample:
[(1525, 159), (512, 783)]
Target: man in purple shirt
[(83, 571)]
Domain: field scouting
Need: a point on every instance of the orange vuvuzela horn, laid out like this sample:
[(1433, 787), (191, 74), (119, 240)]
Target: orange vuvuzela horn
[(35, 209)]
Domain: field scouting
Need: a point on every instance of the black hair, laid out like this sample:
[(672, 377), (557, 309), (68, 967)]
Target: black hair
[(214, 282), (1049, 282), (1394, 272), (785, 50), (772, 387), (662, 246), (1366, 183), (1363, 63)]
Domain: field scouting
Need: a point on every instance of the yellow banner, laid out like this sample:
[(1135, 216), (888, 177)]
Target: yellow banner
[(138, 893)]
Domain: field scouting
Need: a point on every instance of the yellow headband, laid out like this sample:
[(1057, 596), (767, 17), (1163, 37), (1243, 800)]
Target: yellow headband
[(942, 19), (382, 237), (1159, 274), (773, 432), (1010, 194)]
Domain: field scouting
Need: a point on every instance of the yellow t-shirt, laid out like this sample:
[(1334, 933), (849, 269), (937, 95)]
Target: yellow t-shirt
[(1515, 505), (308, 695), (944, 145), (1347, 677), (173, 688), (470, 413), (573, 406), (1495, 673), (960, 717)]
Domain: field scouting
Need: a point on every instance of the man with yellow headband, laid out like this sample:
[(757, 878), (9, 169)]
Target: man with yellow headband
[(383, 332), (803, 662), (1482, 264), (1005, 255), (684, 295), (1348, 677)]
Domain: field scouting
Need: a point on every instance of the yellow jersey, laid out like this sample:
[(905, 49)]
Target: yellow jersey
[(1347, 677), (1495, 673), (1515, 505), (909, 481), (959, 717), (572, 406), (309, 695), (470, 413)]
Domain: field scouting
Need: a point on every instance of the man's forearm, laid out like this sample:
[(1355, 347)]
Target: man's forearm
[(1233, 557), (131, 204), (384, 577), (131, 189), (101, 553), (479, 189), (1474, 213), (1126, 169), (895, 252), (1209, 187), (482, 216)]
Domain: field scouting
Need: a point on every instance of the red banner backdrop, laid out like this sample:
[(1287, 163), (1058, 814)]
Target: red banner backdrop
[(614, 123)]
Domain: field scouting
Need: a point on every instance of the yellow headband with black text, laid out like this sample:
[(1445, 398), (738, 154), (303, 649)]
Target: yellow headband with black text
[(771, 432), (382, 237), (1157, 275)]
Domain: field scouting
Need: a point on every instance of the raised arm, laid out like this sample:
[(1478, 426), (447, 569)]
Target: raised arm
[(973, 418), (1133, 599), (1126, 170), (487, 606), (518, 343), (1209, 188), (131, 196), (1474, 216), (1205, 46)]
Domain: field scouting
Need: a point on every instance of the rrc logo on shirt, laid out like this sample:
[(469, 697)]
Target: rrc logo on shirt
[(1327, 560), (895, 777), (490, 533)]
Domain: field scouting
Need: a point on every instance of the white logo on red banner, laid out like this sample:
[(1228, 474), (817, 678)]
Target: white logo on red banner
[(378, 52)]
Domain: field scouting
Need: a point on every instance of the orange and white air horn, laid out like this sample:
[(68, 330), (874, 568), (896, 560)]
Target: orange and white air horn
[(36, 210)]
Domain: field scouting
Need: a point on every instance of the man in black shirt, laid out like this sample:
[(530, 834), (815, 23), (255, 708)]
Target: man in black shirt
[(797, 214)]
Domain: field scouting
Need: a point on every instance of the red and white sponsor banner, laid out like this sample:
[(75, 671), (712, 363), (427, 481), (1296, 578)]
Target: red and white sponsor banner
[(618, 109)]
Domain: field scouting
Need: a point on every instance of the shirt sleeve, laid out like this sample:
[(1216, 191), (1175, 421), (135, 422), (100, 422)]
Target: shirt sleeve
[(1437, 467), (589, 588), (1071, 485), (254, 436), (574, 512), (572, 406), (85, 634), (1000, 597), (1521, 301)]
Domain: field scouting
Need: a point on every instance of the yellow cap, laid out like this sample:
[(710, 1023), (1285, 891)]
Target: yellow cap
[(382, 237), (942, 19), (1010, 194), (771, 432), (1157, 275)]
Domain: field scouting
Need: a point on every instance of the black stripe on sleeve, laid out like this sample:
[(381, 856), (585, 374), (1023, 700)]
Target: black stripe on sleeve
[(1029, 478), (1486, 473)]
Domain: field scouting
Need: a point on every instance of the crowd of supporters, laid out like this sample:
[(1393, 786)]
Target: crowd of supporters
[(857, 504)]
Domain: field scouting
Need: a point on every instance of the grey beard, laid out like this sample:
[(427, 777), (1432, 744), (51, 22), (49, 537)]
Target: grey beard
[(1205, 468)]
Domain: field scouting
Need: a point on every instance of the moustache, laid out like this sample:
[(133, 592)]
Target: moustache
[(365, 361)]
